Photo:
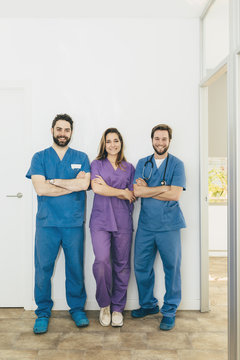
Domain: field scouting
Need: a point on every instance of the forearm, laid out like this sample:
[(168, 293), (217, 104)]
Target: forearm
[(72, 184), (106, 190), (46, 189), (172, 195), (149, 191)]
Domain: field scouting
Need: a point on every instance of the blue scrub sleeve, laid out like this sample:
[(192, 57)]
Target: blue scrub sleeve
[(179, 178), (130, 185), (36, 167), (138, 172), (85, 165)]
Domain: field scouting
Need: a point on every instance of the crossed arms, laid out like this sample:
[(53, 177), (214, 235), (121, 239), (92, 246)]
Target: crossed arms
[(100, 187), (164, 193), (60, 186)]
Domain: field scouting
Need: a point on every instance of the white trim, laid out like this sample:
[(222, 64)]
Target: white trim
[(215, 73), (204, 296), (234, 186), (60, 304), (206, 9), (218, 253), (27, 191), (238, 176)]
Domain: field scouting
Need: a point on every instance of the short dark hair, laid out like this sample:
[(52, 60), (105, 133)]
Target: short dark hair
[(162, 127), (63, 117)]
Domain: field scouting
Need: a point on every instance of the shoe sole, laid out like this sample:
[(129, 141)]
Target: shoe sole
[(167, 329), (104, 324), (117, 324), (141, 316), (37, 332)]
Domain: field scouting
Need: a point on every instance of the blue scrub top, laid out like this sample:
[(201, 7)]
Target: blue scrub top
[(66, 210), (158, 215)]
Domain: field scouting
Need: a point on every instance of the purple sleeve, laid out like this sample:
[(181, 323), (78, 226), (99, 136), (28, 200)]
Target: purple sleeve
[(94, 169), (132, 173)]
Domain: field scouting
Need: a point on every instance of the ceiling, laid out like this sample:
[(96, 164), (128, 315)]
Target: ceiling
[(101, 8)]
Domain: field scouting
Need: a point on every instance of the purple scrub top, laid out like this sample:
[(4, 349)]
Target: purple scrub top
[(110, 213)]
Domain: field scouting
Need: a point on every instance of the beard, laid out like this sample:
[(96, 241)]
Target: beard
[(165, 149), (63, 142)]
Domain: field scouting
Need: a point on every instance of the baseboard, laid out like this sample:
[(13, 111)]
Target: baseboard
[(60, 304)]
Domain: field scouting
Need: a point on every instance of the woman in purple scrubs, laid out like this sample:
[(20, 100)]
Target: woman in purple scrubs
[(111, 226)]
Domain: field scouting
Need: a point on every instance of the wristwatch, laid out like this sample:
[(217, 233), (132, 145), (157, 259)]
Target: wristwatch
[(51, 181)]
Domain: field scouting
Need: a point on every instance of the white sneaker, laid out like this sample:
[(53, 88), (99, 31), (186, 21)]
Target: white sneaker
[(105, 316), (117, 318)]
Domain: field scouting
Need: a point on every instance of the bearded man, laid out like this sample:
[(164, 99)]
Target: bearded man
[(60, 176), (159, 181)]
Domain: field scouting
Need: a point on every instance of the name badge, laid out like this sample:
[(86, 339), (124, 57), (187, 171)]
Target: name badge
[(76, 166)]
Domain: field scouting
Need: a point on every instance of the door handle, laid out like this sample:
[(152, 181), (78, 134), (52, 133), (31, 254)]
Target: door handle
[(18, 195)]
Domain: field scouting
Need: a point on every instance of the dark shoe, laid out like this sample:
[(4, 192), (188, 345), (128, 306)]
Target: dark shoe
[(41, 325), (80, 318), (139, 313), (167, 323)]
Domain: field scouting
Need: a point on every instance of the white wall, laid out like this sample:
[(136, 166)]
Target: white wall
[(127, 73)]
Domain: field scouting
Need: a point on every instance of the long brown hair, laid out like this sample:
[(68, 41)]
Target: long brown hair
[(102, 154)]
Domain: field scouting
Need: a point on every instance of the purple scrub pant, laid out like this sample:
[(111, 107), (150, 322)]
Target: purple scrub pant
[(111, 267)]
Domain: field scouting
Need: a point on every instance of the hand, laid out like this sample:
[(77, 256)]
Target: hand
[(99, 180), (129, 195), (81, 175), (141, 182)]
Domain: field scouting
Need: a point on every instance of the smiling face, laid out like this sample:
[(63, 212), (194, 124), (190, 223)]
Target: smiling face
[(62, 133), (161, 142), (113, 144)]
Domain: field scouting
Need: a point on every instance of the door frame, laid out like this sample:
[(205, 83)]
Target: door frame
[(25, 86), (204, 258)]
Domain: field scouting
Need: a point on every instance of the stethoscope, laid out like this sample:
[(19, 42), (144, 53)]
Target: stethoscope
[(163, 182)]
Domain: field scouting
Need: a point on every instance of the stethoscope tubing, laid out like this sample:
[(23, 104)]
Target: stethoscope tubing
[(163, 182)]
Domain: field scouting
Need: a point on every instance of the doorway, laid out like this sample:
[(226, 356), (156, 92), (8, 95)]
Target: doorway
[(214, 207), (15, 220)]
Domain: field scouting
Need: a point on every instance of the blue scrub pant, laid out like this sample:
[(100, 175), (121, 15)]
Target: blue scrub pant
[(168, 243), (47, 244)]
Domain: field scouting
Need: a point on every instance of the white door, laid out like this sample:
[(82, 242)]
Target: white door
[(13, 243)]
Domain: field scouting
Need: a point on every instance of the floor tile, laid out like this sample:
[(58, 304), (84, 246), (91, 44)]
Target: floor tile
[(209, 341), (62, 325), (108, 355), (11, 313), (134, 325), (154, 355), (207, 324), (168, 340), (202, 355), (61, 355), (29, 340), (125, 341), (7, 340), (18, 354), (15, 325), (81, 341)]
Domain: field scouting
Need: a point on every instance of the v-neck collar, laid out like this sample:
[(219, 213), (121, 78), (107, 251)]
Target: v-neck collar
[(64, 157), (161, 166), (112, 165)]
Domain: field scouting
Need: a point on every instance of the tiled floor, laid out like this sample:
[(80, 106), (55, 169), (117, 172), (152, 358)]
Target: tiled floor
[(196, 336)]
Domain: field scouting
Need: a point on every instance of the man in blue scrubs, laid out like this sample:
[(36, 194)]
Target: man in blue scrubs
[(60, 176), (159, 181)]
